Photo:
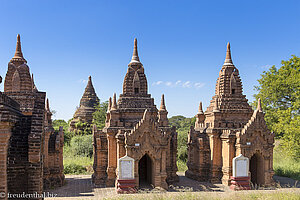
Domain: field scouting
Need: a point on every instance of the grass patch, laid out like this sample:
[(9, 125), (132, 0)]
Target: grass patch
[(284, 165), (181, 165), (78, 155), (78, 165), (278, 195)]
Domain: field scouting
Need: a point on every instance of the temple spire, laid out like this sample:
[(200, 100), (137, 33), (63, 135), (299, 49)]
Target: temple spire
[(200, 110), (228, 60), (89, 97), (89, 87), (114, 102), (18, 57), (135, 56), (109, 104), (47, 105), (162, 103), (34, 88), (89, 83), (259, 105), (216, 107)]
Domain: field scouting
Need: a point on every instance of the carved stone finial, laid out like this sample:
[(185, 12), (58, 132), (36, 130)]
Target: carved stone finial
[(47, 105), (228, 60), (34, 88), (200, 110), (109, 104), (135, 57), (216, 107), (114, 102), (18, 57), (259, 105), (162, 103)]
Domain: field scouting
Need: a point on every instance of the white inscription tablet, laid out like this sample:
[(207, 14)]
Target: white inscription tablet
[(240, 166)]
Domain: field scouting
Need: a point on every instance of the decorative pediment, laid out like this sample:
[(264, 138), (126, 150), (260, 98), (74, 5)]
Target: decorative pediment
[(147, 130), (257, 128)]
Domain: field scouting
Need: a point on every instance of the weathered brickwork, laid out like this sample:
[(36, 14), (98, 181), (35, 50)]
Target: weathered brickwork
[(227, 128), (53, 153), (134, 126), (22, 126), (11, 146), (86, 108)]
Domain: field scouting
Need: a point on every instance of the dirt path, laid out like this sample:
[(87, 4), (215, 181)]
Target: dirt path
[(80, 187)]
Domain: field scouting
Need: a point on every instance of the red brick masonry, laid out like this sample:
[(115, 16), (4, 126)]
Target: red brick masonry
[(240, 183), (126, 186)]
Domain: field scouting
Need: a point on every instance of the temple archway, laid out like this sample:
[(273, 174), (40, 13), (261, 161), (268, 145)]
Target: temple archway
[(145, 171), (257, 169)]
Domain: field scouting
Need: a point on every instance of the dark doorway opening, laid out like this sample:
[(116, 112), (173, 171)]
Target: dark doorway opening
[(253, 169), (257, 169), (145, 171)]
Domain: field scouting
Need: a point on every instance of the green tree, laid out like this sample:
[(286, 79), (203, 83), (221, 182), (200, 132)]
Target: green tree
[(82, 145), (83, 128), (99, 116), (279, 91), (67, 135), (181, 122), (60, 122), (182, 125)]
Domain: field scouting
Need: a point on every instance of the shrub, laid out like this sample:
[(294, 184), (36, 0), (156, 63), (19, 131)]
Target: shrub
[(181, 165), (182, 154), (74, 169), (67, 137), (99, 116), (182, 144), (82, 145), (83, 128)]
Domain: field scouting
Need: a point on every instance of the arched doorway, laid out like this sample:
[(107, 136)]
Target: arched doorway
[(257, 169), (145, 171)]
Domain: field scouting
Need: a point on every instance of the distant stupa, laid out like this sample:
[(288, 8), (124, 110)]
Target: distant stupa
[(86, 108)]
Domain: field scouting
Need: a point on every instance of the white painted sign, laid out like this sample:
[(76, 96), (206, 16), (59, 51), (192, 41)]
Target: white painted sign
[(126, 168), (240, 166)]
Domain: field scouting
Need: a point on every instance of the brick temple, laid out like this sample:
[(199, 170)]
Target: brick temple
[(31, 151), (135, 127), (227, 128), (25, 163), (84, 113)]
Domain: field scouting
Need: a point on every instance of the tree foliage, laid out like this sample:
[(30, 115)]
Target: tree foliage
[(181, 122), (60, 122), (182, 125), (82, 145), (83, 128), (279, 91), (99, 116), (67, 135)]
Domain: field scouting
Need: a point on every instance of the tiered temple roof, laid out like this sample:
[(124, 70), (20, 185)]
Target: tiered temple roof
[(87, 105)]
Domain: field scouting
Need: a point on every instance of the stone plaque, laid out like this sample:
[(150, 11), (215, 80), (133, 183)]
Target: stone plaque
[(240, 166), (126, 168)]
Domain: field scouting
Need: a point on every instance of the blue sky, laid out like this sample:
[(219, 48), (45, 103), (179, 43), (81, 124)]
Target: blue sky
[(181, 42)]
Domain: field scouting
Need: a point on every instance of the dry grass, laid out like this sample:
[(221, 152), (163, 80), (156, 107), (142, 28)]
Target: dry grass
[(291, 194)]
